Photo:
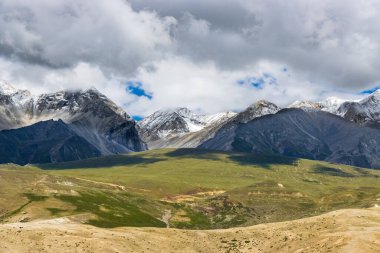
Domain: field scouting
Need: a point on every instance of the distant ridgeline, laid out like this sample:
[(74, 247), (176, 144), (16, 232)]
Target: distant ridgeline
[(333, 130), (73, 125)]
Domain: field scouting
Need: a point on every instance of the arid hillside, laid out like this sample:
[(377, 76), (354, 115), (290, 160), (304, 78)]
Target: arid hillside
[(349, 230)]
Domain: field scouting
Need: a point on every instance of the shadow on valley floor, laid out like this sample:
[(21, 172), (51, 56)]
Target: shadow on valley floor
[(245, 158), (365, 173), (137, 158), (196, 153), (264, 161), (101, 162), (319, 169)]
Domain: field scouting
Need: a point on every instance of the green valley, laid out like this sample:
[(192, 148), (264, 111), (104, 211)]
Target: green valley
[(183, 188)]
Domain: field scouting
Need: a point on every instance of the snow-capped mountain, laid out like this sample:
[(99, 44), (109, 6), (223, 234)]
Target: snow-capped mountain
[(90, 114), (365, 111), (256, 110), (90, 119), (181, 127), (6, 88), (178, 121), (330, 104), (311, 134), (172, 121), (13, 105), (188, 137)]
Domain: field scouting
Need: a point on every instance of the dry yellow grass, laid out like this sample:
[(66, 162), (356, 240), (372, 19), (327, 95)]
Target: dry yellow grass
[(349, 230)]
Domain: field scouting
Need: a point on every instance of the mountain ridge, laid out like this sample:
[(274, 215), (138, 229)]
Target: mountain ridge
[(44, 142), (294, 132), (90, 114), (110, 130)]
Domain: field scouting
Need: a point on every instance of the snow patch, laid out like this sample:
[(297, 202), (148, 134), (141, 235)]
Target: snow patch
[(6, 88)]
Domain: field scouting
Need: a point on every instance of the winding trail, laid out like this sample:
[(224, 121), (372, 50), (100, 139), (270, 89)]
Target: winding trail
[(117, 186)]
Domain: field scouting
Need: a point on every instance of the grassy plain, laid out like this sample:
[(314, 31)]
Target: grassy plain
[(183, 188)]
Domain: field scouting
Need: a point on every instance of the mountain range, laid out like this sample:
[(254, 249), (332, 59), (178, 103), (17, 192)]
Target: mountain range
[(72, 125), (333, 130), (88, 114)]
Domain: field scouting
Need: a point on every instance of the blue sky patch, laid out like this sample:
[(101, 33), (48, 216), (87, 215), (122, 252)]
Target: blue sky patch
[(135, 88), (369, 91), (258, 82), (137, 118)]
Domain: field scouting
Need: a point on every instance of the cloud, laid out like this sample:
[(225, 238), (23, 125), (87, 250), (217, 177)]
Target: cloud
[(59, 34), (209, 55), (39, 80), (335, 43), (208, 89)]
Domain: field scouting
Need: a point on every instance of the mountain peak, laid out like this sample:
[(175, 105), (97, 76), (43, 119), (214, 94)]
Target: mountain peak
[(92, 89), (305, 104), (375, 94), (172, 121), (262, 103), (178, 122), (372, 100), (330, 104), (258, 109), (334, 100), (6, 88)]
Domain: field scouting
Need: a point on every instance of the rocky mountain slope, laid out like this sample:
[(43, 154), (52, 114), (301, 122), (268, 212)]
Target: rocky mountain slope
[(93, 116), (308, 134), (14, 104), (44, 142), (330, 104), (90, 114), (333, 130), (183, 128), (365, 111), (179, 127), (256, 110), (170, 122), (108, 129)]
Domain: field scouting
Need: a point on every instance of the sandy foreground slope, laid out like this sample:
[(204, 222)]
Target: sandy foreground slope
[(350, 230)]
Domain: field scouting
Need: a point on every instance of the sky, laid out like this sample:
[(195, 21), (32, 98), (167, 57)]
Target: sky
[(207, 55)]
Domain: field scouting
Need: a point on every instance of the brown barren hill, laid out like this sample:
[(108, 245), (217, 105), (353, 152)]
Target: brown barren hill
[(349, 230)]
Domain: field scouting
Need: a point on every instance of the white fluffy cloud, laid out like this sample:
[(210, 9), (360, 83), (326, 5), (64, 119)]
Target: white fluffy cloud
[(204, 87), (62, 33), (192, 53)]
